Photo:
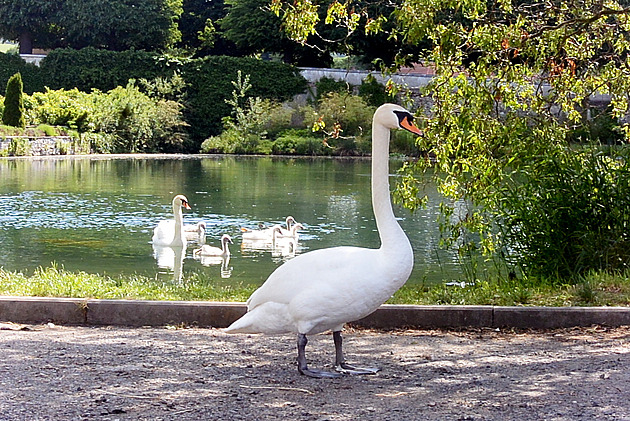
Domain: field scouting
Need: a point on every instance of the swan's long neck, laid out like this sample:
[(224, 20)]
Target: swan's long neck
[(393, 238), (224, 246), (179, 225)]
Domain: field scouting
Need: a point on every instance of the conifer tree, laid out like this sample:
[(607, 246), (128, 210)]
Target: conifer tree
[(14, 103)]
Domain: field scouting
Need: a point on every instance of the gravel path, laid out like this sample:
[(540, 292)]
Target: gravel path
[(50, 372)]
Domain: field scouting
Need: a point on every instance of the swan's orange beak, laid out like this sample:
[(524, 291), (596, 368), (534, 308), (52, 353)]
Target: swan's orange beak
[(409, 126), (185, 204)]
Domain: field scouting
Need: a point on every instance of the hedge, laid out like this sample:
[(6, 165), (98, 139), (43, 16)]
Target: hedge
[(32, 76)]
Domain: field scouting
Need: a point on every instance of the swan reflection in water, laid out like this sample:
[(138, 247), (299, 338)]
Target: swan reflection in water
[(170, 258)]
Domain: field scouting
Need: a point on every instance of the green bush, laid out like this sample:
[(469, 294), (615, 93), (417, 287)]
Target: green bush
[(137, 122), (210, 84), (13, 113), (119, 121), (19, 146), (326, 86), (569, 214), (297, 142), (69, 108), (374, 93)]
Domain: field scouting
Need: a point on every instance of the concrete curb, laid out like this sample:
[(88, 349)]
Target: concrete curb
[(76, 311)]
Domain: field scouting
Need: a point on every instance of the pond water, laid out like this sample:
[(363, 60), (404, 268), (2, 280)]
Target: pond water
[(97, 214)]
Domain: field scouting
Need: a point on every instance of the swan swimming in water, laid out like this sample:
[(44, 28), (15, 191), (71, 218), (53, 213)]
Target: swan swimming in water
[(171, 232), (323, 289), (209, 251), (266, 234), (196, 232)]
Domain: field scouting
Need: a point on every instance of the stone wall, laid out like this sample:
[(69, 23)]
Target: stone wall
[(37, 146)]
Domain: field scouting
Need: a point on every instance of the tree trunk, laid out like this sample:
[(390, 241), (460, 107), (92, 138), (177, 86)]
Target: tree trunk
[(26, 42)]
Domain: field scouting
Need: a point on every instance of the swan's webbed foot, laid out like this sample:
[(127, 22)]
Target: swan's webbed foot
[(318, 374), (302, 366), (350, 369), (340, 363)]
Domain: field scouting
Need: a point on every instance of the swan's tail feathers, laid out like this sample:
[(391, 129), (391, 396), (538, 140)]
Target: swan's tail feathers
[(271, 318), (242, 325)]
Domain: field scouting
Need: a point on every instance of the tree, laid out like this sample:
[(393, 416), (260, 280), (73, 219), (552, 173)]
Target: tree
[(514, 81), (201, 31), (13, 114), (114, 25), (29, 22), (254, 29)]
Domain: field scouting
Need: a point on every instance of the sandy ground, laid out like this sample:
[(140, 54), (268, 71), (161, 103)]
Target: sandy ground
[(71, 373)]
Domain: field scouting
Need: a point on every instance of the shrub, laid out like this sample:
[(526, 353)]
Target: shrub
[(210, 84), (569, 214), (70, 108), (296, 142), (13, 113), (374, 93), (326, 86), (137, 122)]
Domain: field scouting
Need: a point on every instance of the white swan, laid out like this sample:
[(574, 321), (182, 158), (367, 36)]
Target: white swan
[(292, 234), (209, 251), (323, 289), (171, 232), (265, 234), (195, 232)]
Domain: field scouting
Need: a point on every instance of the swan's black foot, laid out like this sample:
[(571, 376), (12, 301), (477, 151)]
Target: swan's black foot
[(350, 369), (318, 374)]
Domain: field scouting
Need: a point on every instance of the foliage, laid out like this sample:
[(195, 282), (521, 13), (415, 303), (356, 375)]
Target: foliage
[(327, 85), (91, 68), (13, 112), (210, 84), (512, 80), (254, 29), (70, 108), (29, 21), (374, 93), (202, 85), (297, 142), (568, 213), (114, 25), (19, 146), (345, 120), (137, 123), (200, 29), (32, 76), (121, 120), (82, 23)]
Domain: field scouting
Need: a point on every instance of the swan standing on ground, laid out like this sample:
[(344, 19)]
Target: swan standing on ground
[(171, 232), (209, 251), (323, 289)]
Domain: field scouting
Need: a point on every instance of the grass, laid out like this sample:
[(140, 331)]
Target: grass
[(596, 289)]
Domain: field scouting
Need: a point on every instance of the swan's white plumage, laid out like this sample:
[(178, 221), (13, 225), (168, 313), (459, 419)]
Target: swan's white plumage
[(170, 232), (326, 288), (210, 251)]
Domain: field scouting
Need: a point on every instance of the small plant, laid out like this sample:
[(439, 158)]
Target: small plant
[(13, 114), (19, 146)]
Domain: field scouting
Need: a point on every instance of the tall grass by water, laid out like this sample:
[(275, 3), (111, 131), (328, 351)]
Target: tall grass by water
[(593, 289)]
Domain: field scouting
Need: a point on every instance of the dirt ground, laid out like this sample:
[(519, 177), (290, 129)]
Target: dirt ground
[(50, 372)]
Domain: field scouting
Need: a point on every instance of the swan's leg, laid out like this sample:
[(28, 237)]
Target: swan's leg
[(340, 361), (301, 359)]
